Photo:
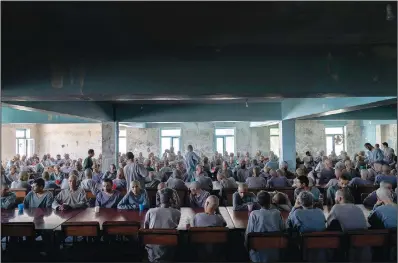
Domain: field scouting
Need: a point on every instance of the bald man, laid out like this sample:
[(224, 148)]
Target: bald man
[(384, 213), (209, 217)]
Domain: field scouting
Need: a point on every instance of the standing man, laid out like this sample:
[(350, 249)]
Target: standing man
[(134, 171), (191, 161), (373, 154), (88, 162)]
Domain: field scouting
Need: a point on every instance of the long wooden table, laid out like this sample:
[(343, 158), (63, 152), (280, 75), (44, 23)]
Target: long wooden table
[(109, 214), (240, 218), (43, 218)]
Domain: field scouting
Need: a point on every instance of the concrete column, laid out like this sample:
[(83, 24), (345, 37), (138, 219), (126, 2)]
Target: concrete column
[(110, 144), (287, 138)]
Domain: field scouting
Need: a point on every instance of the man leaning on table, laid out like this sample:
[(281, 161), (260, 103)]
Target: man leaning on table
[(134, 198), (108, 198), (71, 198), (242, 198)]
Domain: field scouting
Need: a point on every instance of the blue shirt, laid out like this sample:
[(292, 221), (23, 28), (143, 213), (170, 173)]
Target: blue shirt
[(387, 178), (131, 201), (307, 220), (359, 181), (384, 215)]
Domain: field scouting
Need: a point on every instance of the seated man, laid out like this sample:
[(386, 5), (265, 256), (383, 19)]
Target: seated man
[(223, 181), (38, 198), (334, 181), (384, 214), (175, 181), (283, 167), (162, 217), (360, 181), (209, 217), (8, 199), (280, 201), (327, 173), (200, 176), (278, 180), (371, 199), (88, 184), (305, 218), (47, 182), (331, 191), (303, 185), (120, 182), (242, 198), (386, 177), (108, 198), (266, 219), (134, 197), (197, 196), (71, 198), (175, 199), (345, 215), (256, 181), (151, 181)]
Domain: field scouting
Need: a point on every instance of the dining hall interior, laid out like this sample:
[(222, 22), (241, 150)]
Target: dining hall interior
[(199, 131)]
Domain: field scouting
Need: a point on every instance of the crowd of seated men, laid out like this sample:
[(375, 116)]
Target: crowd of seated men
[(125, 187)]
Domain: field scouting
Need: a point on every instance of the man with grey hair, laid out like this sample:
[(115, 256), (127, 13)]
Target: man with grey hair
[(162, 217), (242, 198), (384, 213), (305, 218), (175, 181), (71, 198), (209, 217), (256, 181), (197, 196), (371, 199), (345, 215)]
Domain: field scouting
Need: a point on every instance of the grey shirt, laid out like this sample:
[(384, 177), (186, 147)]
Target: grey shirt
[(161, 217), (205, 182), (135, 171), (75, 199), (198, 200), (208, 220), (349, 216), (33, 201), (256, 182), (175, 183)]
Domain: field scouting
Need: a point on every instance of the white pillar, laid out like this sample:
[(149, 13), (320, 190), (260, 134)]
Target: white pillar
[(110, 143)]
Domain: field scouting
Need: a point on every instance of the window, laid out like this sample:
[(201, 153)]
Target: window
[(170, 138), (225, 140), (335, 139), (24, 144), (122, 141), (274, 140)]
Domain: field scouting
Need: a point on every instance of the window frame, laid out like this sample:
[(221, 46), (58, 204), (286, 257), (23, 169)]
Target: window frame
[(122, 137), (26, 140), (171, 139), (333, 142), (224, 137), (273, 136)]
